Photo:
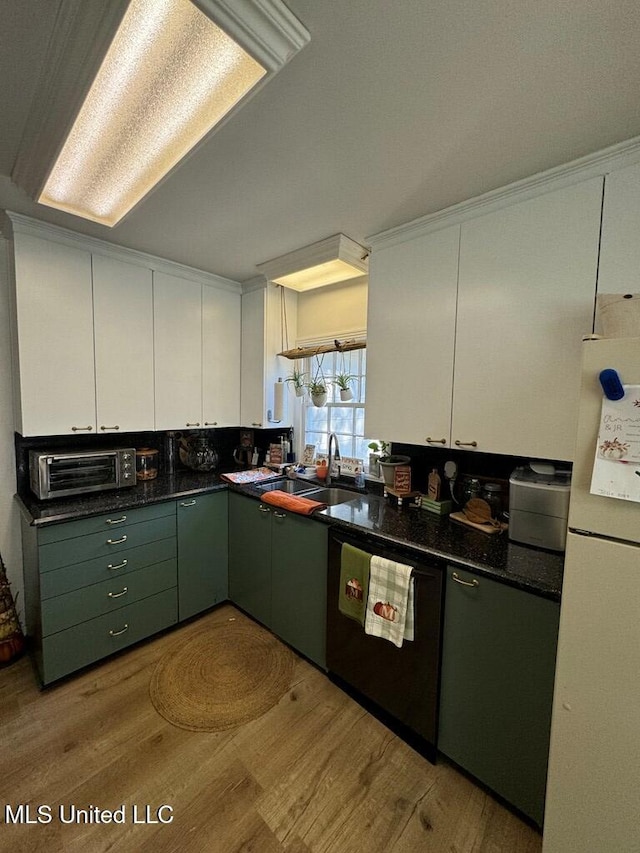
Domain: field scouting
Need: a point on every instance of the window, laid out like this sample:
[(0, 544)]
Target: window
[(346, 419)]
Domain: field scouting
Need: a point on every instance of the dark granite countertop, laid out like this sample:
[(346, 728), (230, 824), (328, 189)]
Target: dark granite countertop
[(368, 515), (164, 488)]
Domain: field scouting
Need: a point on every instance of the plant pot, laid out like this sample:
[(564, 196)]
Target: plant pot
[(319, 399), (389, 467), (346, 394), (300, 391)]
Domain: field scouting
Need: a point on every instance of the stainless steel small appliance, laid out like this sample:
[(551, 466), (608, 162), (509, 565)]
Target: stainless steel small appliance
[(57, 475), (538, 508)]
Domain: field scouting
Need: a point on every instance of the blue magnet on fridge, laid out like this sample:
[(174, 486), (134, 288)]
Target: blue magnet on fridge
[(611, 384)]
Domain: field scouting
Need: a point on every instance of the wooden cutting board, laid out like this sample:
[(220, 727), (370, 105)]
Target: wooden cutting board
[(485, 528)]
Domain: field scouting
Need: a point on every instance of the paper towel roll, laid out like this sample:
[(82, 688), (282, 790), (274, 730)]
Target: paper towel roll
[(278, 401)]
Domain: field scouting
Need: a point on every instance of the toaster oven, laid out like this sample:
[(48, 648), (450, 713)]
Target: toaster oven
[(57, 475)]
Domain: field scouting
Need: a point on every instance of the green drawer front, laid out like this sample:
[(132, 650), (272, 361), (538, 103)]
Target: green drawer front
[(64, 611), (110, 522), (83, 644), (107, 543), (79, 575)]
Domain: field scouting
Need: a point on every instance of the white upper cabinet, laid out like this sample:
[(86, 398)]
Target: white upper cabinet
[(526, 291), (123, 323), (56, 383), (410, 339), (177, 311), (220, 357), (619, 269)]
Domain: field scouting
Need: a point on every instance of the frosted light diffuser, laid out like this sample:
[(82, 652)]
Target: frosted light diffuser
[(328, 262), (170, 75)]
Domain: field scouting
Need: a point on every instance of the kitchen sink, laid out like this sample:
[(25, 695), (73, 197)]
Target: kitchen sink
[(331, 495), (290, 486)]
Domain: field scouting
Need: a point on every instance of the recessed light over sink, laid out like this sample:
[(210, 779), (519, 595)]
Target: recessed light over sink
[(329, 261), (173, 72)]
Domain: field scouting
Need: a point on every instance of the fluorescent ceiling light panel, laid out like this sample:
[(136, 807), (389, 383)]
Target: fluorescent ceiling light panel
[(170, 75), (329, 261)]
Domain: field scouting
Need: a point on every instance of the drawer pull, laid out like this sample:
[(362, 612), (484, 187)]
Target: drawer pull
[(187, 503), (279, 514), (81, 429), (118, 633), (211, 423), (430, 440), (119, 566), (193, 425), (456, 577), (116, 520), (117, 541), (264, 508), (104, 428), (459, 443), (256, 424), (125, 590)]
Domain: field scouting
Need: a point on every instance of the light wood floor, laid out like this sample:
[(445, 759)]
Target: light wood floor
[(316, 774)]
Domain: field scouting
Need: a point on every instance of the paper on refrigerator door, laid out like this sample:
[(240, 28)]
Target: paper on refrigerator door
[(616, 469)]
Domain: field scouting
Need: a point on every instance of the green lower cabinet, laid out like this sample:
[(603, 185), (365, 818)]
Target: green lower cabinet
[(203, 544), (299, 583), (498, 665), (278, 572)]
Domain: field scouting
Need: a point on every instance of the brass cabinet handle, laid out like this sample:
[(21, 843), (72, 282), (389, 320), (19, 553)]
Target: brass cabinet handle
[(256, 424), (264, 508), (456, 577), (117, 541), (193, 425), (116, 520), (118, 633), (81, 429), (187, 503), (121, 565), (435, 440), (125, 590), (211, 423), (103, 427), (465, 443), (279, 514)]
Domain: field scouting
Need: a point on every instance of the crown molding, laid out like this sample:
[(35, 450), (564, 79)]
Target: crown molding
[(258, 282), (16, 223), (592, 165)]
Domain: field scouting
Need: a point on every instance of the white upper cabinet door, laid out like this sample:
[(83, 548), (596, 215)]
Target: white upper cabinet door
[(220, 357), (411, 320), (526, 295), (619, 268), (123, 326), (252, 385), (55, 338), (177, 311)]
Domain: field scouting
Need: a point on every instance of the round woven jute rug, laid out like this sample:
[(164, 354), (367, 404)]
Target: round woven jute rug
[(221, 676)]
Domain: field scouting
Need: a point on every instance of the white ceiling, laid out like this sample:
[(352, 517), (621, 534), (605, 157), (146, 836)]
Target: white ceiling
[(394, 110)]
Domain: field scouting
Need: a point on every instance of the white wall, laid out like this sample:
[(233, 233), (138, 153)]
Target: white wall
[(10, 543), (334, 311)]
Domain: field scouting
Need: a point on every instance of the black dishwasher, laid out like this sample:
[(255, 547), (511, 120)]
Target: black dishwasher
[(399, 685)]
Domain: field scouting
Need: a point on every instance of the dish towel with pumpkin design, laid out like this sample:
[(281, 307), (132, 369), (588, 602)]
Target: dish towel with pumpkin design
[(390, 603), (354, 582)]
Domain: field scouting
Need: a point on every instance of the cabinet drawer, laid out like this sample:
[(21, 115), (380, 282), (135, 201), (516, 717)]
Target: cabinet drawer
[(107, 543), (83, 644), (105, 597), (108, 521), (79, 575)]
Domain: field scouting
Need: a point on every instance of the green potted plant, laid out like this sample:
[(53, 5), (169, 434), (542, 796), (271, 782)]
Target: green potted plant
[(386, 461), (296, 378), (318, 391), (343, 382)]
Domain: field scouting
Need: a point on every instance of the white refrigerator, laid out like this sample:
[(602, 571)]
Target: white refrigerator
[(593, 785)]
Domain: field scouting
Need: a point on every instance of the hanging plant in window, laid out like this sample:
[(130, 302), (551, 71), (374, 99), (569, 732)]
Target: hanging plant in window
[(317, 387), (296, 378)]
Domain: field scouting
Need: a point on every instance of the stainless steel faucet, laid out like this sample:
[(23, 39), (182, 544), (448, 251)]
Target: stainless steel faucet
[(332, 438)]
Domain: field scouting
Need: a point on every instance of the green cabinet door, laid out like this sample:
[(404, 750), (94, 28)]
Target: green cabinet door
[(299, 583), (203, 547), (250, 556), (498, 665)]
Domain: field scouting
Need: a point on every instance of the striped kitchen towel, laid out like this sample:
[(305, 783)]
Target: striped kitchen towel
[(390, 604)]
